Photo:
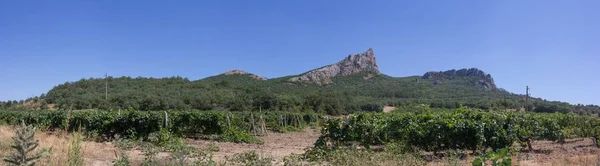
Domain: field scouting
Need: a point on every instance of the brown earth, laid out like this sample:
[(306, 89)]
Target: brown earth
[(276, 145), (388, 109), (573, 152)]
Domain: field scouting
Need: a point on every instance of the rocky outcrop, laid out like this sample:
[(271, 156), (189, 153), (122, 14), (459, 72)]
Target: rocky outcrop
[(350, 65), (241, 72), (486, 81)]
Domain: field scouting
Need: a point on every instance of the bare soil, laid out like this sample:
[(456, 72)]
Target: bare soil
[(276, 145), (573, 152), (388, 109)]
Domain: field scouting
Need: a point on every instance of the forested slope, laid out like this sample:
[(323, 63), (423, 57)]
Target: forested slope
[(352, 84), (241, 92)]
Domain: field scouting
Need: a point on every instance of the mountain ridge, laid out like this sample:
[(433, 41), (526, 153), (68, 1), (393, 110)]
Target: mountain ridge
[(352, 64), (353, 84), (366, 62), (485, 80)]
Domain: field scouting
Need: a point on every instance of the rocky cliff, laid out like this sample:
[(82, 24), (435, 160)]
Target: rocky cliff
[(486, 81), (352, 64), (241, 72)]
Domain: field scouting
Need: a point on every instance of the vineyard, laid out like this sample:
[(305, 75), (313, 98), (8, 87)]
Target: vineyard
[(460, 129), (434, 131), (107, 125)]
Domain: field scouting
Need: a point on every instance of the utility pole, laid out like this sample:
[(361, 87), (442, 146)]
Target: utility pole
[(527, 98), (106, 86), (526, 94)]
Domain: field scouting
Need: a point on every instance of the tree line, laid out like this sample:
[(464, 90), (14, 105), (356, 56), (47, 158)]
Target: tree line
[(243, 93)]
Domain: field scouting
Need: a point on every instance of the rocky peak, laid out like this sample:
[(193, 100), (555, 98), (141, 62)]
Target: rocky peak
[(486, 81), (241, 72), (352, 64)]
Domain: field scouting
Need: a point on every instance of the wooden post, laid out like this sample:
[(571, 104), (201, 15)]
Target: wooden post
[(527, 99), (252, 127), (299, 119), (106, 86), (529, 142), (285, 121), (281, 120), (295, 121), (263, 128), (166, 121), (228, 120)]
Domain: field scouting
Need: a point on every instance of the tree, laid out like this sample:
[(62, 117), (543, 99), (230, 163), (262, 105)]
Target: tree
[(264, 101), (242, 102), (346, 94)]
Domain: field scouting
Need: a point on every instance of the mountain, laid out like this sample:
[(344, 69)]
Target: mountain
[(352, 64), (353, 84), (485, 80), (241, 72)]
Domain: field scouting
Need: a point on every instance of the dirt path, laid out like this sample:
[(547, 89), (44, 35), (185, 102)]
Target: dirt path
[(276, 145)]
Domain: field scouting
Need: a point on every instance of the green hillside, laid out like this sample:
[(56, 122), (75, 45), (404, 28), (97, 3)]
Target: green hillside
[(242, 93), (352, 84)]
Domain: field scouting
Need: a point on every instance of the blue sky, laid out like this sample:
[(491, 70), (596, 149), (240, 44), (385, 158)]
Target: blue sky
[(552, 46)]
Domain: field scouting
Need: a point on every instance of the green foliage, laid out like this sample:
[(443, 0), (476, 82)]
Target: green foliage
[(232, 135), (75, 153), (131, 124), (180, 153), (23, 144), (164, 138), (461, 129), (122, 160), (347, 94)]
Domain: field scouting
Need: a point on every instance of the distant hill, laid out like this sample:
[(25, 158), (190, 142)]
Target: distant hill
[(353, 84)]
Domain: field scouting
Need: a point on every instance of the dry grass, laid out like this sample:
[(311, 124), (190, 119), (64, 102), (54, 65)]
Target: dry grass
[(583, 160), (574, 152), (93, 153)]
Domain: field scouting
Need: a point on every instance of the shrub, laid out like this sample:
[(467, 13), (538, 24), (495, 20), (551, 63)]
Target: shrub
[(122, 160), (74, 155), (23, 144)]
